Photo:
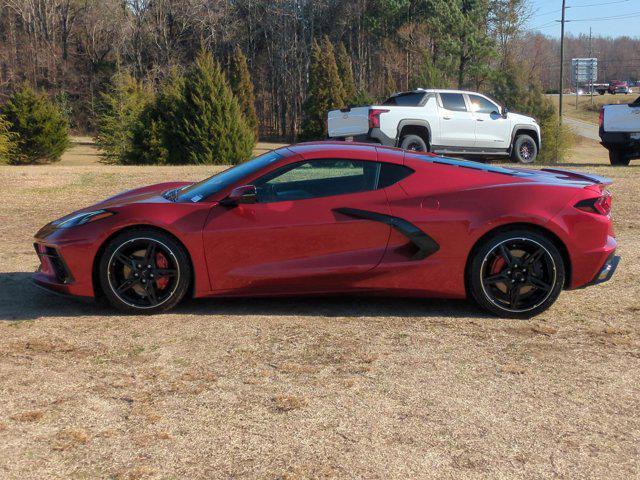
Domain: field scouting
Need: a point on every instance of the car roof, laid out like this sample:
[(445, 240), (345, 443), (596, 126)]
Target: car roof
[(333, 146), (434, 90)]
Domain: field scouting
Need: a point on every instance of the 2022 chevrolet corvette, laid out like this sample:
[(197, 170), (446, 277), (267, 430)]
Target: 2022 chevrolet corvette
[(338, 217)]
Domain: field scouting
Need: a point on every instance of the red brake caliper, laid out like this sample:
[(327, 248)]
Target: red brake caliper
[(498, 265), (162, 262)]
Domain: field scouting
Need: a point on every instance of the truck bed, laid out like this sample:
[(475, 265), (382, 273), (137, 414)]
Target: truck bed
[(624, 118)]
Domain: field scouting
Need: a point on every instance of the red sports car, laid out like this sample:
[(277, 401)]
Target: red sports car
[(337, 217)]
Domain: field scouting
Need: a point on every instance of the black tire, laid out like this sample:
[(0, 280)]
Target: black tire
[(618, 158), (414, 142), (144, 271), (522, 287), (525, 149)]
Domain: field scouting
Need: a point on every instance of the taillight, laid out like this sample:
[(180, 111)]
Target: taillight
[(601, 117), (601, 205), (374, 117)]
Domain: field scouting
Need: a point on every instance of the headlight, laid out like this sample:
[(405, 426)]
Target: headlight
[(83, 218)]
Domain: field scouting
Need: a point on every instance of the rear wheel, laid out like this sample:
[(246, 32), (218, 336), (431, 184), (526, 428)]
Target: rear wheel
[(414, 142), (516, 274), (618, 157), (525, 149), (144, 271)]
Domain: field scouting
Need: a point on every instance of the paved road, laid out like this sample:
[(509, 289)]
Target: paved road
[(584, 129)]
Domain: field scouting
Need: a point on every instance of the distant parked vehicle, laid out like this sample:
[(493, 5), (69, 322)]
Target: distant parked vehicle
[(451, 122), (619, 87), (620, 131), (601, 88)]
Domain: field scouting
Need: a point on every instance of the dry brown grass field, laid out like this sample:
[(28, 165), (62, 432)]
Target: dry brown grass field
[(310, 388), (587, 110)]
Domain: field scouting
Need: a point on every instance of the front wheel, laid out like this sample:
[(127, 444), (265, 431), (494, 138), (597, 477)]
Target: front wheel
[(525, 149), (516, 274), (144, 271), (618, 157)]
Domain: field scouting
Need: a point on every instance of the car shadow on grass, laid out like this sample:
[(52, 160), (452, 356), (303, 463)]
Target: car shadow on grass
[(20, 299)]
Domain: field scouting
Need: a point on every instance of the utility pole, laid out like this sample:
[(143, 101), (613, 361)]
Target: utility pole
[(590, 68), (564, 7)]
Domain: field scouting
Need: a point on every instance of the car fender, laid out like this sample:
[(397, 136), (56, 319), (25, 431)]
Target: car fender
[(528, 126), (410, 122)]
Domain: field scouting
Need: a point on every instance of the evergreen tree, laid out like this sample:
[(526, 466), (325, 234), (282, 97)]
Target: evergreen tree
[(242, 87), (8, 147), (515, 90), (40, 131), (390, 86), (345, 69), (325, 91), (153, 140), (119, 112), (210, 126), (429, 74), (362, 98)]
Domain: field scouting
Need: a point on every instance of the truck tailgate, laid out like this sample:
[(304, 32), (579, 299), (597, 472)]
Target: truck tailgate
[(348, 122), (622, 118)]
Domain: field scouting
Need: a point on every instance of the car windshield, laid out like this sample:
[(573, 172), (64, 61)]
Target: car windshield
[(205, 188)]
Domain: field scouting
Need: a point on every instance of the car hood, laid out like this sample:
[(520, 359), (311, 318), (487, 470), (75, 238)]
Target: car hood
[(148, 194), (519, 118)]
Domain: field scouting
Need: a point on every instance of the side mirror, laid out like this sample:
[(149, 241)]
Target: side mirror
[(505, 112), (239, 195)]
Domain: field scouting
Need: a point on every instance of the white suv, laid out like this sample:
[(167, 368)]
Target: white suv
[(450, 122)]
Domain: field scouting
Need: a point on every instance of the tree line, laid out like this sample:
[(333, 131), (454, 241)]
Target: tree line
[(302, 57)]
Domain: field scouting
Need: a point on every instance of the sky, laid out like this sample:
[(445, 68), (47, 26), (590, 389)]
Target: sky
[(608, 18)]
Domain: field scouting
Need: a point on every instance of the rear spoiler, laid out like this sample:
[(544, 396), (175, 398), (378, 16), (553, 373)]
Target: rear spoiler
[(580, 176)]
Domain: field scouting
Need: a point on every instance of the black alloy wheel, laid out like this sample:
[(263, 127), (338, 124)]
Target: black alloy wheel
[(517, 275), (144, 271), (525, 149), (414, 143)]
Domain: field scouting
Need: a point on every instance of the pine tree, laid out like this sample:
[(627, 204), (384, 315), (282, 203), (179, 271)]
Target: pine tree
[(390, 86), (242, 87), (430, 75), (40, 131), (325, 91), (153, 140), (515, 90), (345, 69), (120, 110), (210, 127), (8, 147)]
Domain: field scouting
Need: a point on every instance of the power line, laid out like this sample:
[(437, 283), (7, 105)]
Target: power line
[(616, 17), (598, 4), (544, 25)]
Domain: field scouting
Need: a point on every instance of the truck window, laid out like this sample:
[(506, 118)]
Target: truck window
[(482, 105), (453, 101), (407, 99)]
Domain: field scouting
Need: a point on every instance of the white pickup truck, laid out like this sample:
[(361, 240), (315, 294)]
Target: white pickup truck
[(449, 122), (620, 131)]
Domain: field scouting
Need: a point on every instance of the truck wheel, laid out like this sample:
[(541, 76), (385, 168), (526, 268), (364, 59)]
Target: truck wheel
[(413, 142), (525, 149), (618, 158)]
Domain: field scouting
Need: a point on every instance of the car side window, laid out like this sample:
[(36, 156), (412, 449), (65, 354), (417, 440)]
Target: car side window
[(453, 101), (318, 178), (391, 173), (482, 105)]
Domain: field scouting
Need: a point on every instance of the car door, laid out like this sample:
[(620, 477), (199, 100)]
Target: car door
[(294, 239), (492, 130), (457, 123)]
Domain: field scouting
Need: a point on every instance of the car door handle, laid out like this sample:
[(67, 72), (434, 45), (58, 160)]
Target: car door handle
[(479, 120), (446, 118)]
